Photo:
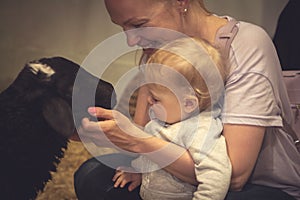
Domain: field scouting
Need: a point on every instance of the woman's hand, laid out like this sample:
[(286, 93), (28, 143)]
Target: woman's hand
[(115, 131)]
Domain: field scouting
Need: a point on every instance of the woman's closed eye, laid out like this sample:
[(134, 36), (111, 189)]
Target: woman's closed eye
[(139, 25)]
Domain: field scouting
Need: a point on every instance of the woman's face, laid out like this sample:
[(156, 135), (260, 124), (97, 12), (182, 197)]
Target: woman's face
[(136, 16)]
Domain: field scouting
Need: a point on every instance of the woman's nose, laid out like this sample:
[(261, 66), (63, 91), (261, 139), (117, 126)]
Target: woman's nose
[(132, 38)]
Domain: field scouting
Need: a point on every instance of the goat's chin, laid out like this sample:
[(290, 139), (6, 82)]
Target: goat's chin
[(75, 137)]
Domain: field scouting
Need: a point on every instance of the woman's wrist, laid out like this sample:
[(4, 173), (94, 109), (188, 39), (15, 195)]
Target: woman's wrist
[(146, 144)]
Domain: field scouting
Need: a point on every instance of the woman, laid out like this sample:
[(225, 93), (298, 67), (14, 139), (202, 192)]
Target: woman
[(264, 160)]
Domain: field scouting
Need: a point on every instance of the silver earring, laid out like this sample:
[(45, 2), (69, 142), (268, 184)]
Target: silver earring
[(185, 10)]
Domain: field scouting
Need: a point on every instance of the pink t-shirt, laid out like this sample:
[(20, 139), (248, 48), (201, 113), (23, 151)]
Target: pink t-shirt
[(255, 94)]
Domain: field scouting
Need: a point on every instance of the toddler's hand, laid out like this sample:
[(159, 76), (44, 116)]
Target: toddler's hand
[(126, 175)]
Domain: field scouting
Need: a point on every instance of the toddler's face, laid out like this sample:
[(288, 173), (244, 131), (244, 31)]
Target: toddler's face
[(165, 105)]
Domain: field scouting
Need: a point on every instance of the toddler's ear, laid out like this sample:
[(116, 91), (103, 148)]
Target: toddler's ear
[(190, 103)]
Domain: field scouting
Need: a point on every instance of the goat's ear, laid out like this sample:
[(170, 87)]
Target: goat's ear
[(58, 115), (42, 71)]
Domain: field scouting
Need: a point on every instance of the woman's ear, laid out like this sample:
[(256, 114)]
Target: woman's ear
[(183, 5), (190, 103)]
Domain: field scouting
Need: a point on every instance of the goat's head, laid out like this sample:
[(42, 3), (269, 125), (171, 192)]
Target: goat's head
[(57, 76)]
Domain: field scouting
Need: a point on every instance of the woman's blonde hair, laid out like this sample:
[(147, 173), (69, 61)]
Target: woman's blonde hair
[(191, 58)]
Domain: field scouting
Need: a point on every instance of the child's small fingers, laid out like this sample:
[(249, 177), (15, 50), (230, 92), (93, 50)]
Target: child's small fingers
[(117, 182), (115, 177), (132, 186), (121, 183)]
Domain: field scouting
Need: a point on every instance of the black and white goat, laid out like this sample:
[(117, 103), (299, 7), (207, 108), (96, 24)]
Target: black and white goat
[(36, 120)]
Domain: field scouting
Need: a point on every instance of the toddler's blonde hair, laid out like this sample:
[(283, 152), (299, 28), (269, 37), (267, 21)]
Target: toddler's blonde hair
[(204, 57)]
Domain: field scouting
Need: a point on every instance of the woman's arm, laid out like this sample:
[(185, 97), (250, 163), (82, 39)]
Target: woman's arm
[(173, 158), (118, 132), (243, 145)]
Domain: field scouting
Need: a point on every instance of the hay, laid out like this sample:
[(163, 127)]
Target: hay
[(61, 187)]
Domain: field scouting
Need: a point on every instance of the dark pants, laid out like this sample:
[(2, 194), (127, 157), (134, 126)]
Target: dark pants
[(93, 181)]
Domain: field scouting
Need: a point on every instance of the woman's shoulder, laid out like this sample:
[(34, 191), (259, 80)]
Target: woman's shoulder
[(245, 38), (247, 30), (252, 42), (252, 50), (251, 36)]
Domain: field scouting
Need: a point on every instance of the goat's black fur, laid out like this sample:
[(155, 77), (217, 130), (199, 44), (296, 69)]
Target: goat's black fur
[(36, 120)]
